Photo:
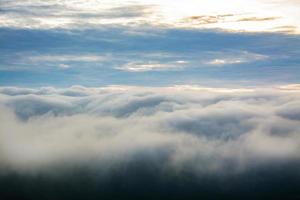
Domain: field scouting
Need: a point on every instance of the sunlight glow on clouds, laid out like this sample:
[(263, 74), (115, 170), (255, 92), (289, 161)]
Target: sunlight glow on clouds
[(241, 15)]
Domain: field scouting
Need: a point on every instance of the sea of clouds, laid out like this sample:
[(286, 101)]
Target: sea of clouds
[(180, 128)]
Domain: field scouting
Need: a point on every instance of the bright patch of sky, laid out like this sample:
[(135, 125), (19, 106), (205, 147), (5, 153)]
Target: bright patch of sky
[(239, 15)]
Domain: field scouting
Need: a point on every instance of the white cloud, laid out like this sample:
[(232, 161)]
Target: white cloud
[(292, 87), (182, 62), (62, 61), (67, 58), (143, 67), (257, 15), (236, 58), (223, 62), (64, 66), (195, 128)]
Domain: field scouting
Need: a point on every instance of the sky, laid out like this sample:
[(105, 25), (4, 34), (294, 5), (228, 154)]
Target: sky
[(149, 42), (149, 99)]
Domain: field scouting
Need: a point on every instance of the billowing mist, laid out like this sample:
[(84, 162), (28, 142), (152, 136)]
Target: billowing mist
[(138, 135)]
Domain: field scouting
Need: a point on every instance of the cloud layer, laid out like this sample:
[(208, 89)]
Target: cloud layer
[(194, 128), (257, 16)]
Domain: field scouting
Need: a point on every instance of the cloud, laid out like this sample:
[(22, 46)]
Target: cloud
[(163, 137), (67, 58), (71, 15), (223, 62), (151, 66), (292, 87), (237, 58), (286, 29), (29, 61), (202, 20), (207, 19), (266, 15), (259, 16), (48, 127), (290, 111), (64, 66), (257, 19)]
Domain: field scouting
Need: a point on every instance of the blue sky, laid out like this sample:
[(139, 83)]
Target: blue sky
[(66, 43)]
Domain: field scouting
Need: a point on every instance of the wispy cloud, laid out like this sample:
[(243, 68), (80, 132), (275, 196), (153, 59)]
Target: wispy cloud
[(67, 58), (63, 61), (237, 58), (64, 66), (152, 66), (224, 61), (71, 14), (257, 19), (257, 16)]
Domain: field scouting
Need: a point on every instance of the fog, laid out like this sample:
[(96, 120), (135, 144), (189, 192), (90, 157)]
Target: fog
[(194, 128)]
